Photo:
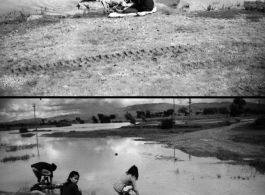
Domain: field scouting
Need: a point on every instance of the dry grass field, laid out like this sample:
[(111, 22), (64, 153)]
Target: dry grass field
[(203, 53)]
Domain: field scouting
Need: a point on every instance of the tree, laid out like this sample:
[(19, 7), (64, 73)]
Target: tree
[(215, 110), (167, 124), (183, 110), (95, 120), (129, 117), (104, 118), (23, 130), (140, 114), (240, 102), (112, 116), (81, 121), (237, 106), (234, 111), (249, 110), (210, 110), (223, 110), (147, 114), (170, 112), (100, 116)]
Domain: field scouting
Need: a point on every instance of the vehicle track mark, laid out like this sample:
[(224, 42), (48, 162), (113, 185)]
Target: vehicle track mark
[(28, 67)]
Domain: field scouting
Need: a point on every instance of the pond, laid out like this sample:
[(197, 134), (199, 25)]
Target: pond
[(62, 7), (99, 167)]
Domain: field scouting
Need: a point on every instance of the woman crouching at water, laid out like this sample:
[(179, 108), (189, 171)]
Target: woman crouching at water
[(127, 180), (70, 187)]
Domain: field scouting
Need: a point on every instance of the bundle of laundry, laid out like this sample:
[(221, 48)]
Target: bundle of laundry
[(106, 4)]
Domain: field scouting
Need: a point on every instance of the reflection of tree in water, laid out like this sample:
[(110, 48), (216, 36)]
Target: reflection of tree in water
[(160, 157)]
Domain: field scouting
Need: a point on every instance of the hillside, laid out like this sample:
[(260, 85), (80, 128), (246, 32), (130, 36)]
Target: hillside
[(119, 112), (157, 107)]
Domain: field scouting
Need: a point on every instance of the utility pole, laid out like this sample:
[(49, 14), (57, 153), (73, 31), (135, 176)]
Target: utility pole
[(36, 130), (258, 106), (173, 116), (189, 109)]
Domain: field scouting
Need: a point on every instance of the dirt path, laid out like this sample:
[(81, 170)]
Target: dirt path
[(166, 53)]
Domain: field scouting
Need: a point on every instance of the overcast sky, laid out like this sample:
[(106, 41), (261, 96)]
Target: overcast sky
[(19, 108)]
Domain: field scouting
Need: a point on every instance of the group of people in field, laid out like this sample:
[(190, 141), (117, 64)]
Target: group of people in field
[(126, 183), (126, 6), (136, 6)]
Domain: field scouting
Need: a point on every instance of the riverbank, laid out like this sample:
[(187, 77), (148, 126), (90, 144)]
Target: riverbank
[(241, 141), (203, 53)]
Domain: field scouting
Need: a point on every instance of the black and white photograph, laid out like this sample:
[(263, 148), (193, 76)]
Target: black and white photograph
[(132, 47), (132, 146)]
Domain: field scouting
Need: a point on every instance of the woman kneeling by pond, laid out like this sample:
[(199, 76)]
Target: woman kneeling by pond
[(70, 187), (127, 180)]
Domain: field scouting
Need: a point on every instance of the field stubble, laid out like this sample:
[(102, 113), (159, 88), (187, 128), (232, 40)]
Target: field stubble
[(171, 54)]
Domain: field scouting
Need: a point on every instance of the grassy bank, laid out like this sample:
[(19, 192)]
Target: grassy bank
[(16, 158)]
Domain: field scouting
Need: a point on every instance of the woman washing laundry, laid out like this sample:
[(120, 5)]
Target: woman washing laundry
[(127, 182)]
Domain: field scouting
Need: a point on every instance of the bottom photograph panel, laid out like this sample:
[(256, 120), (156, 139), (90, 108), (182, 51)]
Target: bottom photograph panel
[(127, 146)]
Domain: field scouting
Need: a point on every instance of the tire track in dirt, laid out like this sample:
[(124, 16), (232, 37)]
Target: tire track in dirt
[(29, 67)]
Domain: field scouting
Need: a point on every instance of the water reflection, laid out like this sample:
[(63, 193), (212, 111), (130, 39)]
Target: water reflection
[(99, 167)]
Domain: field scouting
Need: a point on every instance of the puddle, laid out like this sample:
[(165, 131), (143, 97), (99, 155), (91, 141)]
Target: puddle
[(101, 161)]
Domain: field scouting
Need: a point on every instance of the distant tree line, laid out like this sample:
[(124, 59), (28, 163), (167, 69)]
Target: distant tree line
[(148, 114), (103, 118), (235, 109)]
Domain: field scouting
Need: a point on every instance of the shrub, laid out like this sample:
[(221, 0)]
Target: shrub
[(167, 124), (15, 158), (224, 123), (260, 121), (23, 130)]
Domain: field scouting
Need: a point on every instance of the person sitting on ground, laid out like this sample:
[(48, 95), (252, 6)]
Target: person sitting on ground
[(70, 187), (43, 169), (138, 6), (127, 182)]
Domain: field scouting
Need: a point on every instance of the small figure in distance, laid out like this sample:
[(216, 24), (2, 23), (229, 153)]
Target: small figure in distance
[(43, 169), (70, 187), (127, 182)]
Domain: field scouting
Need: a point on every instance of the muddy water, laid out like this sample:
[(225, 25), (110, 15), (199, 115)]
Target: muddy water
[(63, 7), (99, 167)]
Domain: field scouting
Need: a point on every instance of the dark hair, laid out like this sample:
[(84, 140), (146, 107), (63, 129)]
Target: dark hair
[(54, 166), (133, 171), (72, 174)]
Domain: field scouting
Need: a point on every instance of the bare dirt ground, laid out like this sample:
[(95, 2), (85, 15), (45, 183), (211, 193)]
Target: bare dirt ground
[(166, 53)]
